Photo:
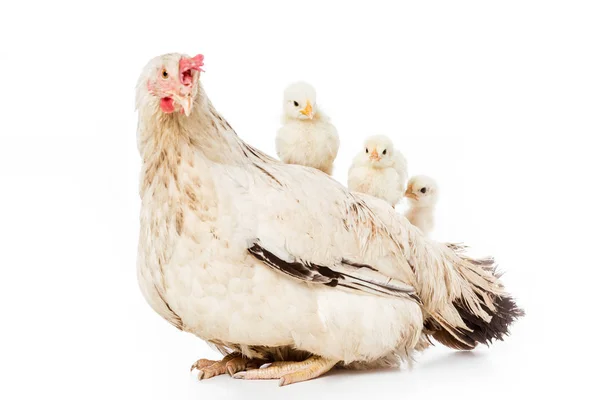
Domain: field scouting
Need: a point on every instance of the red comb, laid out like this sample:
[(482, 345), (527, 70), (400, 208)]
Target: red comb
[(192, 63), (186, 65)]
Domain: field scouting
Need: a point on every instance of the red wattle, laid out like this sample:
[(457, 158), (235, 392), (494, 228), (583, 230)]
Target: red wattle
[(167, 105)]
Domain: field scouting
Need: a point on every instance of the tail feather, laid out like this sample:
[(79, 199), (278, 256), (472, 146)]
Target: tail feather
[(479, 310)]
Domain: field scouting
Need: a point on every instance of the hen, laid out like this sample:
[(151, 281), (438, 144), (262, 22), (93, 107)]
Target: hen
[(264, 259), (306, 137)]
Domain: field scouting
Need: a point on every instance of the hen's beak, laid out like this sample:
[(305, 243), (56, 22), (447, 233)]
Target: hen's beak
[(186, 103), (374, 156), (308, 111)]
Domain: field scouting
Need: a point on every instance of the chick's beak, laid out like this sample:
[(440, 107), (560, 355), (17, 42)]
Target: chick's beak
[(410, 195), (374, 156), (308, 110)]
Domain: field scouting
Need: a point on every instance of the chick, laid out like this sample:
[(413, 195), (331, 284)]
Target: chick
[(306, 136), (422, 193), (379, 170)]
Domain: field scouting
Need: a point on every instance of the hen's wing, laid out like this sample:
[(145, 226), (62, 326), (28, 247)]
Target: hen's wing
[(343, 273), (303, 223)]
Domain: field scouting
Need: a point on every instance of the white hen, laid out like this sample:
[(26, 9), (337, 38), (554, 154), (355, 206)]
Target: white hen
[(379, 170), (261, 258), (422, 193), (306, 136)]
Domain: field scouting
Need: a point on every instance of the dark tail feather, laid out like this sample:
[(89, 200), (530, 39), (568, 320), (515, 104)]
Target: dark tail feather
[(500, 306), (497, 328), (480, 330)]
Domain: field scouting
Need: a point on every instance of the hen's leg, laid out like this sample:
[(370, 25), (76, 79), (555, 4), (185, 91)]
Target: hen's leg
[(290, 372), (230, 364)]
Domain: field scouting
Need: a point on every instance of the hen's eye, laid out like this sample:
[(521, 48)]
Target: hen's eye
[(384, 152), (165, 74), (295, 104), (366, 150), (423, 190)]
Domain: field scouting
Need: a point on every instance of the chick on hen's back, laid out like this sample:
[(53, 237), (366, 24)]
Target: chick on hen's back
[(422, 193), (306, 136), (379, 170)]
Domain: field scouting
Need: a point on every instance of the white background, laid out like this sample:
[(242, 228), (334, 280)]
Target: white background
[(498, 101)]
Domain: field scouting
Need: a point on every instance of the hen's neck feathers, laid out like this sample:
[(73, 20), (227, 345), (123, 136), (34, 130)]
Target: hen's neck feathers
[(204, 132)]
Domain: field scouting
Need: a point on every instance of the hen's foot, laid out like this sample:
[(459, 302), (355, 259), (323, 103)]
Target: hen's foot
[(290, 372), (230, 364)]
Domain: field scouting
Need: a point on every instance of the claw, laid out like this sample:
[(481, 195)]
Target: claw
[(230, 370), (202, 363), (239, 375)]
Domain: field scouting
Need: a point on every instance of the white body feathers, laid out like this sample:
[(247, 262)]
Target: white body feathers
[(197, 262)]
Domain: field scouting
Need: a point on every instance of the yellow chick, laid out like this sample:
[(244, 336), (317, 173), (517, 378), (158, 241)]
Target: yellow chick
[(379, 170), (306, 136), (422, 193)]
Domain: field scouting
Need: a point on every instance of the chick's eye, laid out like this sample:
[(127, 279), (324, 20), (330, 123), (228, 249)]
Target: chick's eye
[(295, 104), (423, 190), (366, 150), (384, 152), (165, 74)]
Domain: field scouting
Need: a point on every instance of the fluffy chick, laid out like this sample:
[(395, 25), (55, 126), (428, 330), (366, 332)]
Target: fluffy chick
[(306, 136), (422, 193), (379, 170)]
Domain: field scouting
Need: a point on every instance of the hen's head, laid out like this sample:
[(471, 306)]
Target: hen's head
[(422, 191), (170, 83), (378, 152), (300, 101)]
